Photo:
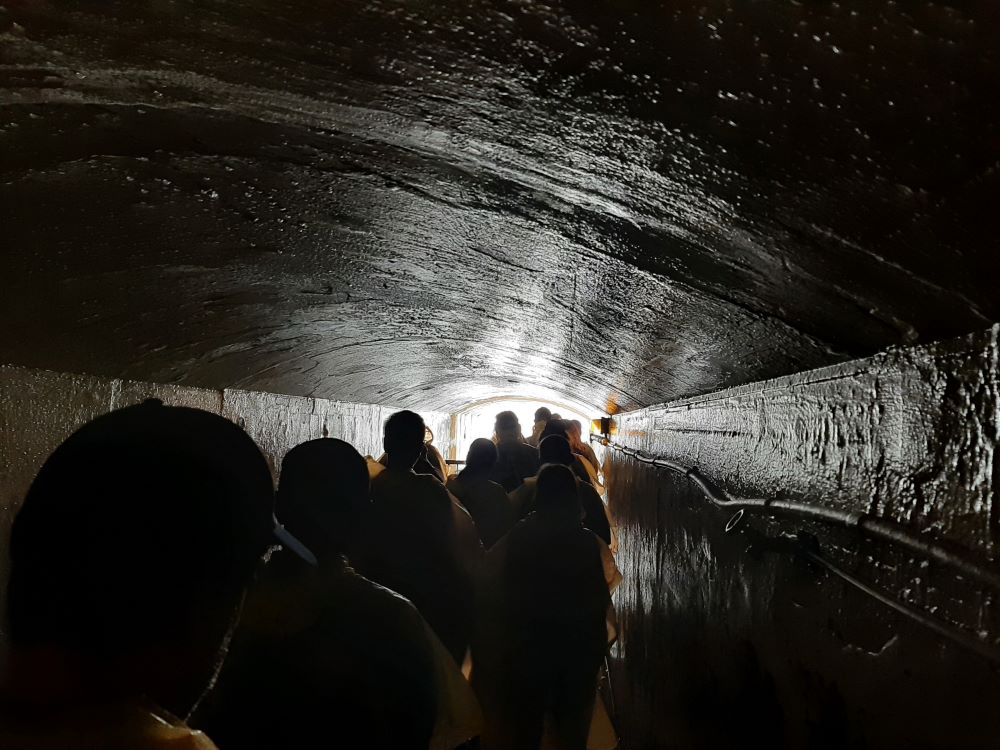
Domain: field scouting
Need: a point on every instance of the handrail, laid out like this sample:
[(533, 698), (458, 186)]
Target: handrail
[(871, 526), (952, 633), (868, 525)]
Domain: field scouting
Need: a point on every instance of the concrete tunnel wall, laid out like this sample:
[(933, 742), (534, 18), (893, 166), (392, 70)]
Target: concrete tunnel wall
[(39, 409), (728, 640), (423, 204)]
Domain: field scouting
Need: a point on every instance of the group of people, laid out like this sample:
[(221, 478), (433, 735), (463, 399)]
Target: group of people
[(147, 553), (511, 462)]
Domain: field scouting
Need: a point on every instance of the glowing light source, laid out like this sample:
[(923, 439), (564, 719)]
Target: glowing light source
[(477, 420), (604, 426)]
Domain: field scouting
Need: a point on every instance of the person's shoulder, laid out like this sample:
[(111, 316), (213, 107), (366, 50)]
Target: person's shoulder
[(595, 538), (394, 482), (158, 730), (587, 489), (355, 583), (527, 487), (426, 480), (375, 595), (482, 485), (499, 550), (524, 527), (494, 487), (187, 739), (602, 547), (431, 487), (381, 478)]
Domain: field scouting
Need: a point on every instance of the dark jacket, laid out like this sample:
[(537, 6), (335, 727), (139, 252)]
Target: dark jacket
[(516, 461)]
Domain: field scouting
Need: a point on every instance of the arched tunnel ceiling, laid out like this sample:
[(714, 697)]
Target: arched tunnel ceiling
[(427, 203)]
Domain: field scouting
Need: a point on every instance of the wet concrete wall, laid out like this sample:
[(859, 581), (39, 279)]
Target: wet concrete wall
[(733, 639), (39, 408), (613, 203)]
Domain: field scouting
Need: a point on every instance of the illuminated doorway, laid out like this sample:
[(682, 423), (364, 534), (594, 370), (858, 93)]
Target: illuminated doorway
[(476, 420)]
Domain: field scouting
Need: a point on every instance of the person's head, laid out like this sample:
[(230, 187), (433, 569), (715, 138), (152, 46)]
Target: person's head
[(543, 414), (404, 439), (574, 429), (555, 449), (507, 426), (557, 417), (482, 457), (555, 427), (134, 546), (557, 493), (323, 495)]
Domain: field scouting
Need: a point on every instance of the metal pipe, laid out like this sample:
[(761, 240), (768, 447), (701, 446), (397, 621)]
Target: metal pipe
[(940, 627), (874, 527)]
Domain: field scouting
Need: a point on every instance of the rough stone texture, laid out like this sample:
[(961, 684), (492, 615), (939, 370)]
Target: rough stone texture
[(726, 644), (39, 409), (909, 435), (731, 640), (615, 203)]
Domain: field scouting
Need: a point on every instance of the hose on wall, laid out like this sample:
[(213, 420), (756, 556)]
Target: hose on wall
[(808, 547)]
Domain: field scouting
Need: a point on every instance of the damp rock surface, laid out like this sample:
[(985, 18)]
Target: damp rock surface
[(731, 637), (615, 204), (908, 435)]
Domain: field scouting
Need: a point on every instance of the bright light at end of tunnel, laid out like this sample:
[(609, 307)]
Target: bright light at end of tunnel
[(477, 421)]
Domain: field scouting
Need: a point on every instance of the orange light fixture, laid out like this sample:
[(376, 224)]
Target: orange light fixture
[(603, 426)]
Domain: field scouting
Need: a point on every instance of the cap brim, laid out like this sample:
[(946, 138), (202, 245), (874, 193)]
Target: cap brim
[(289, 542)]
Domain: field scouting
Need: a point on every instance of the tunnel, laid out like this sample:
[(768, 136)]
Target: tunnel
[(755, 235)]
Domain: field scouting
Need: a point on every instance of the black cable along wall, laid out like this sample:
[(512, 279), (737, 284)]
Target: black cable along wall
[(852, 599)]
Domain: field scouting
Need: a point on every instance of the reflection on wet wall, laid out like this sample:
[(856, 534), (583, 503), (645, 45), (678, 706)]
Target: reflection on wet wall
[(732, 640), (39, 409), (429, 203)]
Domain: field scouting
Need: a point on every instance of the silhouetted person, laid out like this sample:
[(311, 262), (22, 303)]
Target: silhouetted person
[(434, 458), (129, 560), (579, 446), (579, 465), (323, 656), (419, 541), (486, 501), (555, 450), (430, 461), (516, 460), (555, 426), (544, 625), (542, 417)]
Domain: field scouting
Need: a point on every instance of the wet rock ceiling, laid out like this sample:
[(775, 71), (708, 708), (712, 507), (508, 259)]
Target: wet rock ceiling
[(424, 203)]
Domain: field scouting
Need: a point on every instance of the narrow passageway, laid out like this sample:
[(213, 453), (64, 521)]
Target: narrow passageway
[(743, 250), (472, 614)]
